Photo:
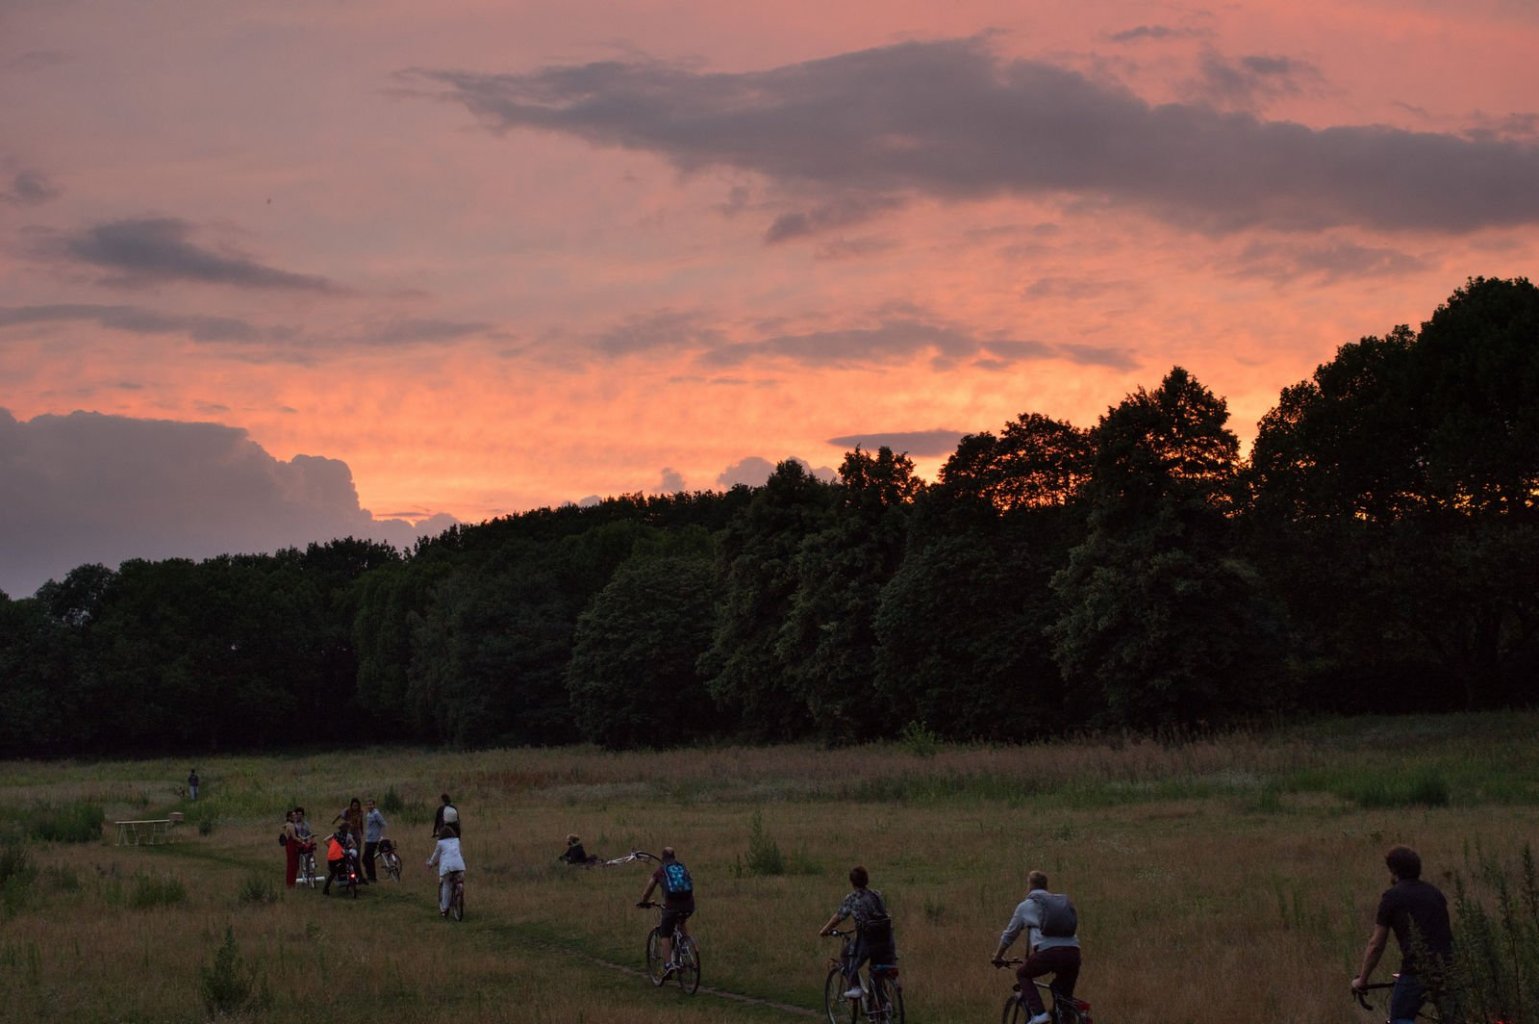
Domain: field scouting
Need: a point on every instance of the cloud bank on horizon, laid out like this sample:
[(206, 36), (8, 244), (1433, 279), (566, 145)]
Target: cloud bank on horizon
[(89, 488)]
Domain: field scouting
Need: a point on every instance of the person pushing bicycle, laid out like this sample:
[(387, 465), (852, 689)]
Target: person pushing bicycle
[(873, 930), (1051, 925), (678, 901), (1417, 912)]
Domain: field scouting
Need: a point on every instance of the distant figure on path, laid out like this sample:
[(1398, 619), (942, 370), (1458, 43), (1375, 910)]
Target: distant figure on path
[(1417, 912), (290, 850), (192, 784), (1051, 925), (447, 814)]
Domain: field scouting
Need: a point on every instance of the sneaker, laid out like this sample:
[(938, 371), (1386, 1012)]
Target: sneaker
[(855, 992), (1041, 1018)]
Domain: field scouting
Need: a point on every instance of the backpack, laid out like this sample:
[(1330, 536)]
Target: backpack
[(283, 839), (676, 880), (876, 929), (1059, 918)]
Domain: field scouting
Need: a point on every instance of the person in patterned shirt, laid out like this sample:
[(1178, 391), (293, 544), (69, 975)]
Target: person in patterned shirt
[(873, 929)]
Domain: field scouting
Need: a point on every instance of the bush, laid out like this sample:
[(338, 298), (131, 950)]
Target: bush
[(16, 876), (919, 739), (227, 985), (76, 822), (157, 891), (391, 802), (205, 826), (1496, 968), (258, 889), (764, 856)]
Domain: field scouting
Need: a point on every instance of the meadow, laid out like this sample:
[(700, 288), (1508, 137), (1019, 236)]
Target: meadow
[(1217, 879)]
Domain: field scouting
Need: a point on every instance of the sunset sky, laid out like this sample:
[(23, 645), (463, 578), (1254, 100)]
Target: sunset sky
[(272, 272)]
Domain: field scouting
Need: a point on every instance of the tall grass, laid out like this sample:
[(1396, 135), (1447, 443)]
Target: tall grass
[(1496, 975)]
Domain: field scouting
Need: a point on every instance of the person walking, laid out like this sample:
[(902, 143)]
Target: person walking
[(1417, 912), (1051, 925)]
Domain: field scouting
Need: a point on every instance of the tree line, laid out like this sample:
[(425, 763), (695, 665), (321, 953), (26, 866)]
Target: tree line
[(1378, 550)]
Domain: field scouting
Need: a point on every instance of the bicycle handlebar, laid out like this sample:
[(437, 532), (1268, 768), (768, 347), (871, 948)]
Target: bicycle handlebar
[(1008, 963), (647, 905), (1360, 993), (837, 934)]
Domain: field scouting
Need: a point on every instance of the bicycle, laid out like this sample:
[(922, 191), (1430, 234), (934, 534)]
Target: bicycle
[(456, 911), (306, 874), (1061, 1009), (881, 999), (390, 859), (685, 968), (1428, 1011), (348, 877)]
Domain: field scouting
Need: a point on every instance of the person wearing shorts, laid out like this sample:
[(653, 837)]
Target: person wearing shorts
[(677, 906)]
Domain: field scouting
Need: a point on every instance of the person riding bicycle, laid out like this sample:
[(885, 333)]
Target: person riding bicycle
[(678, 902), (874, 939), (1051, 925), (341, 846), (451, 866), (1417, 912)]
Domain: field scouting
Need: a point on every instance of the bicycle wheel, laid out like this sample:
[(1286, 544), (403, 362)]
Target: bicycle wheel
[(457, 902), (1015, 1012), (393, 866), (1064, 1011), (655, 963), (687, 955), (838, 1009), (885, 1003)]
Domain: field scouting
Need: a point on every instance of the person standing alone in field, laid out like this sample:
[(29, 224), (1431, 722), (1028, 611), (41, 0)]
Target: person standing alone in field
[(873, 930), (192, 784), (1051, 925), (1417, 912)]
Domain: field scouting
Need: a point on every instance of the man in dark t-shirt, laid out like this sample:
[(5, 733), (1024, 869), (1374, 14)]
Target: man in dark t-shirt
[(1417, 913), (678, 901)]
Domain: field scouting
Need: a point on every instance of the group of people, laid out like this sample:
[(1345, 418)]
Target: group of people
[(357, 837), (1415, 911)]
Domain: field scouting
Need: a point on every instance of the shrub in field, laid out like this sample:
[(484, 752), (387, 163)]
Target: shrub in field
[(1425, 788), (919, 739), (156, 891), (1496, 971), (258, 889), (16, 876), (76, 822), (205, 826), (227, 985), (764, 856), (391, 802)]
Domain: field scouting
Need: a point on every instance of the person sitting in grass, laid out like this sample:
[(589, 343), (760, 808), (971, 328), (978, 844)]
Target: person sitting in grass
[(575, 854), (873, 930)]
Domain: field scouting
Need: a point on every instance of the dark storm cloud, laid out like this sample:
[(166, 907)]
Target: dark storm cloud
[(915, 442), (1249, 81), (29, 188), (949, 119), (91, 488), (159, 249)]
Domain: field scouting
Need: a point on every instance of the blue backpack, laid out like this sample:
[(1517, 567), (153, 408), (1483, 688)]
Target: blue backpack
[(676, 880)]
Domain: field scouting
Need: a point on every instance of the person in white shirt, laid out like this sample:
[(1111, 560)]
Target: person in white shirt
[(451, 866)]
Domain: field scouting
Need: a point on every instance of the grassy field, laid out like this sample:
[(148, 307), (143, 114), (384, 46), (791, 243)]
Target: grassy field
[(1222, 880)]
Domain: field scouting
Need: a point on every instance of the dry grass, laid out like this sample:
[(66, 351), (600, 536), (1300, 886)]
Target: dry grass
[(1212, 883)]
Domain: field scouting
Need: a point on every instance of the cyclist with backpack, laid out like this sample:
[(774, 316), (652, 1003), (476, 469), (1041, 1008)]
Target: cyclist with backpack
[(873, 930), (1051, 924), (678, 901)]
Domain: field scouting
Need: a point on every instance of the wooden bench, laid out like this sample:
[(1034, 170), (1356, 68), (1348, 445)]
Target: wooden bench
[(144, 833)]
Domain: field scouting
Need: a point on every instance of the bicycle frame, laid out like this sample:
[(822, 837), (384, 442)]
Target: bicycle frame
[(1062, 1009), (881, 992)]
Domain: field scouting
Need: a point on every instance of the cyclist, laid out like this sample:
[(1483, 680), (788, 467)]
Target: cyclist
[(1051, 924), (340, 846), (678, 901), (451, 866), (1417, 912), (873, 930)]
